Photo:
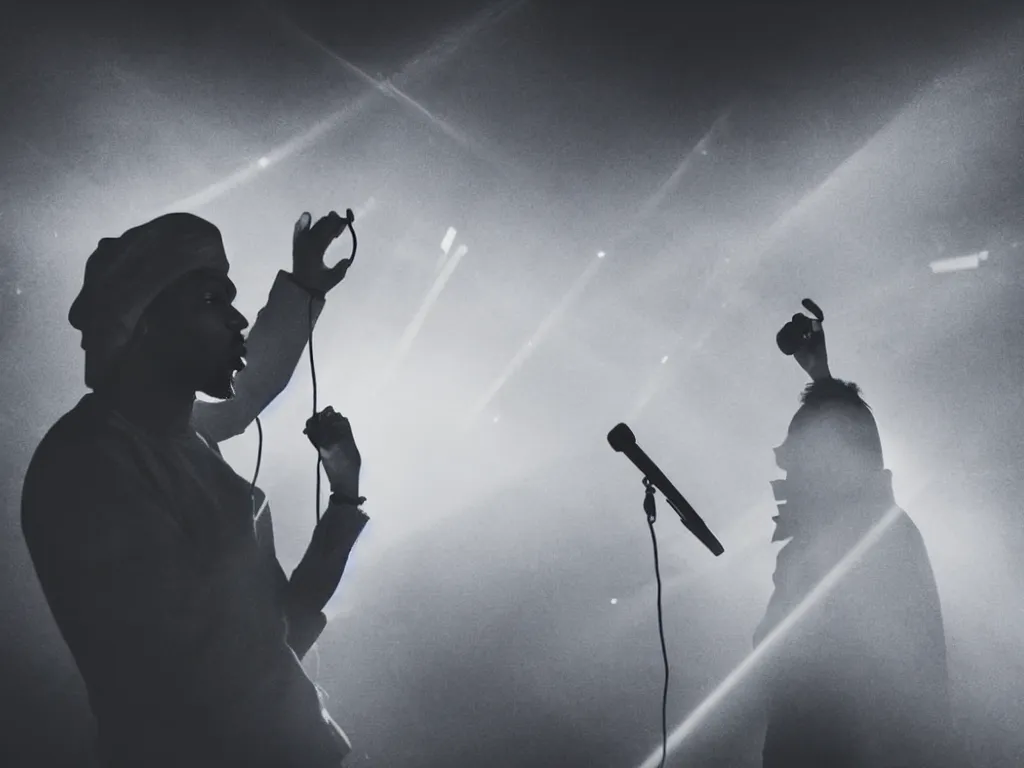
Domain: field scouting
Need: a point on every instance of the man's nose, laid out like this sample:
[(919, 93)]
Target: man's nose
[(238, 321)]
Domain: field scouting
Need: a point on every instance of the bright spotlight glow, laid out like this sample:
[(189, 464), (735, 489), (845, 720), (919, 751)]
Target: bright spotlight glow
[(263, 162), (615, 601), (696, 717), (600, 254), (449, 238), (959, 264)]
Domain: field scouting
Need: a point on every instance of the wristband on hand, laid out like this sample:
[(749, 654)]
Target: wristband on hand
[(340, 499)]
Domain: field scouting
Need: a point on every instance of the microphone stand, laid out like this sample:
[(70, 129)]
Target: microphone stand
[(649, 489)]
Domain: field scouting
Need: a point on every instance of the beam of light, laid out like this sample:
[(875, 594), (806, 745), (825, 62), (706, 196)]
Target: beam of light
[(959, 263), (668, 186), (584, 278), (446, 248), (734, 271), (416, 324), (745, 667), (395, 88), (577, 287), (431, 59), (283, 151), (459, 137)]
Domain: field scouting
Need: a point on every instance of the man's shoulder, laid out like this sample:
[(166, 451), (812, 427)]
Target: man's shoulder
[(76, 452), (906, 535), (82, 432)]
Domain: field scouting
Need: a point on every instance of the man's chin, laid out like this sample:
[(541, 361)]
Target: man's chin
[(221, 390)]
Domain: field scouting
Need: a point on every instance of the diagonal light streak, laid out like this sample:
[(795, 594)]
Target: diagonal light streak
[(416, 324), (389, 88), (735, 271), (578, 285), (459, 137), (250, 171), (745, 667), (431, 59), (654, 201)]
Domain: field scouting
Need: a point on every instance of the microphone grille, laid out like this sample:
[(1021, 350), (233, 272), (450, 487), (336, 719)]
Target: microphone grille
[(621, 437)]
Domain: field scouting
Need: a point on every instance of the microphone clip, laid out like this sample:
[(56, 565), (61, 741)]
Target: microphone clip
[(649, 507)]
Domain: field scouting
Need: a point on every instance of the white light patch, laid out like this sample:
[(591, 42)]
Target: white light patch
[(664, 359), (615, 601), (959, 263), (263, 162), (601, 254), (449, 238)]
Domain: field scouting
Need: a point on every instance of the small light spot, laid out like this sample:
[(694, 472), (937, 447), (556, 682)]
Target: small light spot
[(449, 238), (496, 419), (18, 291), (664, 359), (264, 162), (615, 601), (600, 254)]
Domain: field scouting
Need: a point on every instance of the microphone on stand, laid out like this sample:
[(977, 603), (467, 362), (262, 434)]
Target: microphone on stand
[(622, 439)]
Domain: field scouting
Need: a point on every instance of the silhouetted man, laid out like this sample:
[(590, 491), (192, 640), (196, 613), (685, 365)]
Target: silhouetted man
[(860, 679), (156, 559)]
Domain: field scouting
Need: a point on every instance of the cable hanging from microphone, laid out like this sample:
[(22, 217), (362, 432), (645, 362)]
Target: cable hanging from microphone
[(256, 474), (652, 515), (347, 223)]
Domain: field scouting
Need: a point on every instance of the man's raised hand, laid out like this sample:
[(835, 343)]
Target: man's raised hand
[(309, 246), (812, 354)]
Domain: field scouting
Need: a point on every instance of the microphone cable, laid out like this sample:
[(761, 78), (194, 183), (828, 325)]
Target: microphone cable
[(259, 460), (347, 223), (651, 517)]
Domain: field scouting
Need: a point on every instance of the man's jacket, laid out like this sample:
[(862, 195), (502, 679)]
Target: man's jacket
[(860, 680)]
